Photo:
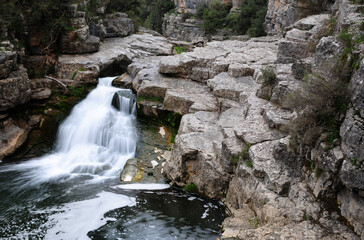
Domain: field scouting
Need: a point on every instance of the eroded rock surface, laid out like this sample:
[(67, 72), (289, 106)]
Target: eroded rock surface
[(113, 57)]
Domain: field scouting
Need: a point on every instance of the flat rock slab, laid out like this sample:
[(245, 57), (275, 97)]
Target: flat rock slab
[(114, 50)]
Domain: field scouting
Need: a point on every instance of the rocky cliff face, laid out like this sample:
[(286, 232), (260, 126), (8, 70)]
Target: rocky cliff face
[(192, 5), (177, 28), (18, 64), (282, 13), (234, 143)]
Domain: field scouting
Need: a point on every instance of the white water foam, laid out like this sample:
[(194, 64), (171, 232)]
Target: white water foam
[(79, 218), (143, 186)]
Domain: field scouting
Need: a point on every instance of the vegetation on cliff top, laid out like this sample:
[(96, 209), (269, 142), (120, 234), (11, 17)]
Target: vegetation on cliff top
[(249, 21)]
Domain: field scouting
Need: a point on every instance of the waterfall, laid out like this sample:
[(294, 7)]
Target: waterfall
[(95, 139)]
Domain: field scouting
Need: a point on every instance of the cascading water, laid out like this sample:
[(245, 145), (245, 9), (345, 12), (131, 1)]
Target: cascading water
[(96, 139), (74, 192)]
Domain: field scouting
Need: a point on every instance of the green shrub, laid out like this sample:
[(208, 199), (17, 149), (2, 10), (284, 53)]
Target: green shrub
[(347, 39), (191, 187), (318, 106), (245, 152), (73, 75), (235, 159), (187, 15), (200, 10), (254, 222), (249, 163), (252, 16), (123, 6), (151, 99), (214, 17), (154, 12), (269, 76), (179, 50)]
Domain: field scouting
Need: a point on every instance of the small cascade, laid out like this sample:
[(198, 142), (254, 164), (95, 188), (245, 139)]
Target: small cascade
[(125, 101)]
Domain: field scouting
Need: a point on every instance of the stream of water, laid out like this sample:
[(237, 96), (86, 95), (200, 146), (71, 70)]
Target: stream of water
[(75, 192)]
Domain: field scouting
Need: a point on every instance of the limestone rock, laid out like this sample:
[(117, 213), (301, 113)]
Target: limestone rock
[(113, 25), (15, 89), (327, 50), (310, 22), (79, 41), (42, 93), (282, 14), (351, 206), (254, 129), (176, 28), (12, 136), (357, 88), (114, 55), (194, 160), (225, 86), (7, 62), (289, 51), (130, 170), (352, 134)]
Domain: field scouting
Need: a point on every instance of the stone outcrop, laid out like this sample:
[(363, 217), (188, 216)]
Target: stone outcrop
[(177, 28), (15, 89), (77, 38), (282, 13), (191, 6), (112, 25), (238, 145), (12, 135), (113, 57)]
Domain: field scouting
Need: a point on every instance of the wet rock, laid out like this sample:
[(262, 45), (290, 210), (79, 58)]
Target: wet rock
[(130, 171), (195, 155), (12, 135), (117, 100), (41, 94)]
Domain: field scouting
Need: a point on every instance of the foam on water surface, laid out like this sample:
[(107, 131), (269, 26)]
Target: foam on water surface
[(143, 186), (76, 219)]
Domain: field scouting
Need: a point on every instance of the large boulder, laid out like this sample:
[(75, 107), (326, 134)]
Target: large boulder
[(175, 27), (113, 57), (284, 13), (8, 60), (113, 25), (15, 89), (79, 41), (12, 135)]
